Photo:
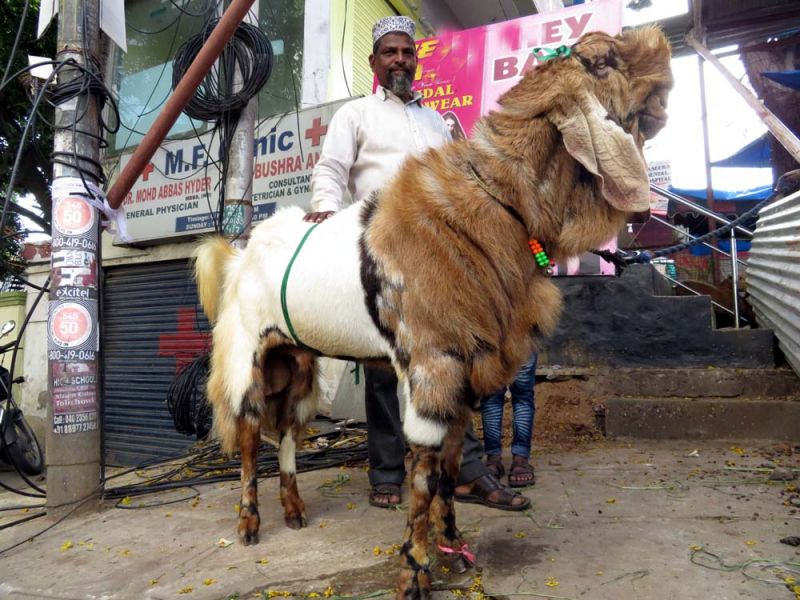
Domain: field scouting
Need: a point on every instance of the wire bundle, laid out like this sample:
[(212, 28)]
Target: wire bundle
[(187, 401), (249, 52)]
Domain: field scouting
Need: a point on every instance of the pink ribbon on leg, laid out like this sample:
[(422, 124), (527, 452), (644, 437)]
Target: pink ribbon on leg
[(463, 551)]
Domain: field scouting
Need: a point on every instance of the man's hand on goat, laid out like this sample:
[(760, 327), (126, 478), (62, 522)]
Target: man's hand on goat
[(319, 217)]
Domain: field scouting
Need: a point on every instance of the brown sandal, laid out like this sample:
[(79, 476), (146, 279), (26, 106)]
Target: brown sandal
[(521, 473), (483, 487), (494, 464)]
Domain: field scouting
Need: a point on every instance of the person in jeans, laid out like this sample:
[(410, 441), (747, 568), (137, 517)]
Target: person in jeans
[(522, 403)]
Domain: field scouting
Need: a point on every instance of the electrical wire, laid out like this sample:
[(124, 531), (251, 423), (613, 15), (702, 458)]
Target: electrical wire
[(341, 51), (249, 51)]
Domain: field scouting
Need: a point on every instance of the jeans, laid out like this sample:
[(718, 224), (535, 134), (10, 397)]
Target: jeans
[(523, 409)]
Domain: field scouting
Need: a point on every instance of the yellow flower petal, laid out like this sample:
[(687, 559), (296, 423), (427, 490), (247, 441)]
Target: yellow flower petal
[(328, 592), (186, 590), (552, 582), (209, 581), (751, 542), (154, 582), (520, 534), (66, 545), (611, 501), (125, 501), (263, 561), (351, 505)]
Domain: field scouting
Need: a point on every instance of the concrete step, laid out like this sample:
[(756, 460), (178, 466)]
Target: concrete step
[(703, 418), (618, 322), (759, 384)]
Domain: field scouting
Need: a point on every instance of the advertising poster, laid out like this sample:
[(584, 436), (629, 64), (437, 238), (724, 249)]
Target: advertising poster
[(73, 335), (510, 44), (465, 72), (449, 77), (178, 192)]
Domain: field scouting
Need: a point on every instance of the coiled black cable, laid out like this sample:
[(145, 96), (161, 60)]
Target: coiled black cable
[(249, 51), (186, 399)]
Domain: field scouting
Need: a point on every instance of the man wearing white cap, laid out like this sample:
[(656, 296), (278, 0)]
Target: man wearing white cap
[(367, 141)]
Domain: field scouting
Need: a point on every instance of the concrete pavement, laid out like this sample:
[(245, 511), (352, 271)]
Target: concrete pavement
[(610, 520)]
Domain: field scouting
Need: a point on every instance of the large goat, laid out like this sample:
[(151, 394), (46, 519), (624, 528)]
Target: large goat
[(433, 274)]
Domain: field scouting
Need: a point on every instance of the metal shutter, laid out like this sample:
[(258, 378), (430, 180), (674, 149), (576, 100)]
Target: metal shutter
[(363, 14), (152, 326)]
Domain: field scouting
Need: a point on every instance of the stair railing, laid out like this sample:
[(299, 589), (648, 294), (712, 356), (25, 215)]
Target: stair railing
[(733, 256)]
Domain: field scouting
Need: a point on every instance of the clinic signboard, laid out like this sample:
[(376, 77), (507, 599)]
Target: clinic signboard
[(177, 195)]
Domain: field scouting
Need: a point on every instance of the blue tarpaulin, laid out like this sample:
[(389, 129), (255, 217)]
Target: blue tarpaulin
[(790, 79), (758, 193), (756, 154)]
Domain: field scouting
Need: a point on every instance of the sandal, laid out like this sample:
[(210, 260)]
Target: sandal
[(521, 473), (494, 464), (385, 491), (486, 485)]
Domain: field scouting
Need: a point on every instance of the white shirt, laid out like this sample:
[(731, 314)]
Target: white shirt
[(367, 141)]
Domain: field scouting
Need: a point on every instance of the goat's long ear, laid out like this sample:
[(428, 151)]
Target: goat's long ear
[(605, 150)]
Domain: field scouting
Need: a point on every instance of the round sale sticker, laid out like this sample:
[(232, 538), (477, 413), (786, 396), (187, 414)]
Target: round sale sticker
[(73, 216), (70, 325)]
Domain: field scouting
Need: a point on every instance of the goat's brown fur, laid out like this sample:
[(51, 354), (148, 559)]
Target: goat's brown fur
[(446, 272)]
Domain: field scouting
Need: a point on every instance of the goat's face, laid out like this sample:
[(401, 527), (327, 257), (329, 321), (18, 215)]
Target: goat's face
[(631, 77)]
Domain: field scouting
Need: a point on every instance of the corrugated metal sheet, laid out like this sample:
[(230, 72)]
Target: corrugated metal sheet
[(152, 326), (773, 274)]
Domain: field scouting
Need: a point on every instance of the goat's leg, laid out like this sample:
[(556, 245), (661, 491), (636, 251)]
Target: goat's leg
[(443, 516), (294, 510), (249, 439), (415, 577), (435, 408)]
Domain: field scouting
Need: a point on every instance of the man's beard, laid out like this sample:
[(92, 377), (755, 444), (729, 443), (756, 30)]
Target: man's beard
[(400, 84)]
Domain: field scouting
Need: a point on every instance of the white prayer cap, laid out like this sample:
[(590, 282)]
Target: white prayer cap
[(396, 24)]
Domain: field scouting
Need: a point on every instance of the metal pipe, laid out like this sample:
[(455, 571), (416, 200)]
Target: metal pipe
[(201, 65), (783, 134), (712, 225), (693, 237), (699, 208), (735, 276)]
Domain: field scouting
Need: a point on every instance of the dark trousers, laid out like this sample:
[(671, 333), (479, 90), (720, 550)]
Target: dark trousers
[(386, 442)]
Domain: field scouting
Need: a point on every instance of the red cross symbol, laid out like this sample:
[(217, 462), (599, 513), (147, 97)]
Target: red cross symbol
[(147, 170), (316, 131), (187, 343)]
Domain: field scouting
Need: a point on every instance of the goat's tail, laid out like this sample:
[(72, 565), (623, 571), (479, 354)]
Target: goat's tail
[(211, 258)]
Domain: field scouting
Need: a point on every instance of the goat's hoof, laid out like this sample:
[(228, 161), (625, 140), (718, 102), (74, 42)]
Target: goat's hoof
[(296, 521), (414, 585), (249, 522), (248, 538)]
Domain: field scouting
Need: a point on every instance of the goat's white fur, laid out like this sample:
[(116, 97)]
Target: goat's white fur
[(286, 454), (421, 430)]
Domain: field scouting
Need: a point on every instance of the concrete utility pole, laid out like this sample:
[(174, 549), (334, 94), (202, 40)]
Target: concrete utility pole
[(237, 216), (73, 332)]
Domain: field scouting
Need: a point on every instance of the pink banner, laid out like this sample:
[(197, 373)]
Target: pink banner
[(449, 76), (462, 74), (509, 45)]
